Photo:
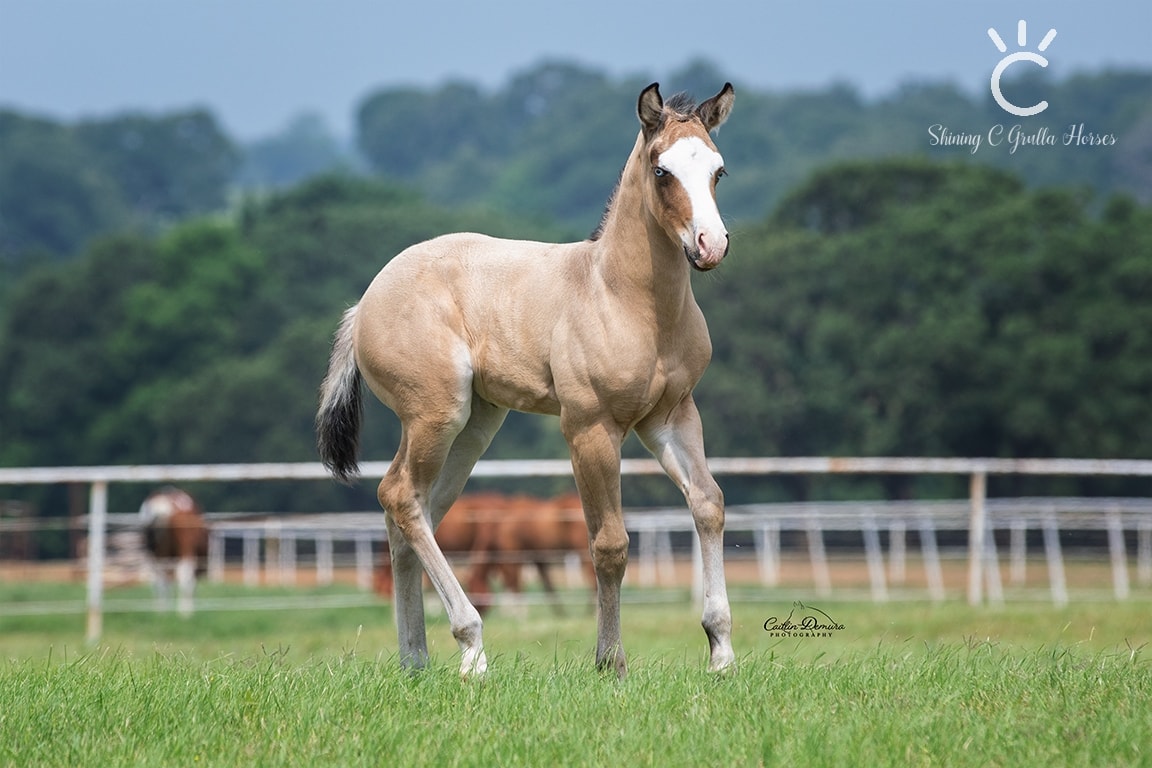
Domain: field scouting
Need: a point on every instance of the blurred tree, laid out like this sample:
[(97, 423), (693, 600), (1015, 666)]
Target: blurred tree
[(906, 308), (305, 148), (165, 167), (52, 195), (58, 369), (404, 130), (548, 141), (900, 307), (62, 185), (209, 343)]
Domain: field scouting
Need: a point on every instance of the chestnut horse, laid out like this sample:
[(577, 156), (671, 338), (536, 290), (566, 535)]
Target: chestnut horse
[(604, 333), (529, 530), (499, 534), (456, 535), (175, 544)]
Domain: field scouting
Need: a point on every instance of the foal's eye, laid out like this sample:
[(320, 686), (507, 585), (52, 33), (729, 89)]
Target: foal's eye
[(660, 171), (721, 173)]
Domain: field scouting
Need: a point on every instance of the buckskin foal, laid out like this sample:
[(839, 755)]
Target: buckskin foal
[(604, 333)]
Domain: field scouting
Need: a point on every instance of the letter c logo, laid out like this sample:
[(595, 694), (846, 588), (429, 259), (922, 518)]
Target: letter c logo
[(997, 94)]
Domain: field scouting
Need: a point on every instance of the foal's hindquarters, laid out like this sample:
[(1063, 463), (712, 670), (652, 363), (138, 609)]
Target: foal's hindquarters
[(424, 373)]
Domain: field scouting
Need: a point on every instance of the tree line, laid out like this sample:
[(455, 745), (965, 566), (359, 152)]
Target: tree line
[(883, 306), (900, 307), (543, 145)]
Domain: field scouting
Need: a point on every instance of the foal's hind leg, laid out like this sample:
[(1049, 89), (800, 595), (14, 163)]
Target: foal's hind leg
[(407, 583), (410, 528), (677, 442)]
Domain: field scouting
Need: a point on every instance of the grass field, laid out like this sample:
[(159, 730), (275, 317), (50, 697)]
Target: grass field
[(905, 683)]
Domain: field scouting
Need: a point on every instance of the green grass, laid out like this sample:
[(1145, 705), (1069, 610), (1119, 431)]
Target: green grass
[(902, 684)]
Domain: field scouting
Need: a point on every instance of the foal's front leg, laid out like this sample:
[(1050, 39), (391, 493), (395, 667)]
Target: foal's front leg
[(677, 442), (596, 466)]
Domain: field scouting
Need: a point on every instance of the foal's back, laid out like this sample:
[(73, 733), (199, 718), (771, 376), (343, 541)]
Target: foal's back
[(472, 308)]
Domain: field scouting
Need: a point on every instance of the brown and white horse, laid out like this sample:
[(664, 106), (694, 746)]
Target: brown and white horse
[(175, 545), (604, 333)]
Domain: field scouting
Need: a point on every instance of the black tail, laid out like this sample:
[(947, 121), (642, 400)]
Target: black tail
[(341, 406)]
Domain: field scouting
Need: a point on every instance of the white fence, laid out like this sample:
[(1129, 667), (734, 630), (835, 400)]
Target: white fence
[(765, 521)]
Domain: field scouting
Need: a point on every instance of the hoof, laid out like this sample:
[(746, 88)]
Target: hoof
[(613, 661), (473, 663), (722, 663)]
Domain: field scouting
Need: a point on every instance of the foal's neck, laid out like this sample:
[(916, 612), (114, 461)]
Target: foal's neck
[(634, 251)]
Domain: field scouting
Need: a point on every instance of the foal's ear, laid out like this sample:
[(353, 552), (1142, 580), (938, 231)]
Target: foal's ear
[(650, 109), (715, 111)]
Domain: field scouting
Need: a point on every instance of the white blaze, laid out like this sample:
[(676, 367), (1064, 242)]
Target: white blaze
[(695, 164)]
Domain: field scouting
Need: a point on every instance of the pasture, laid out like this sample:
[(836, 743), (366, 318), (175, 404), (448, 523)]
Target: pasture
[(904, 683)]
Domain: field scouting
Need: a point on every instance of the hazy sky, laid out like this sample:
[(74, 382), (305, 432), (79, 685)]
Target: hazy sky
[(256, 63)]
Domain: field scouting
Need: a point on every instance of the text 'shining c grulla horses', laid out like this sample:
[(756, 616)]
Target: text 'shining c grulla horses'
[(604, 333)]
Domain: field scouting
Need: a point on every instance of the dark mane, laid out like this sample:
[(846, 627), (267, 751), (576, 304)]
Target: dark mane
[(680, 106)]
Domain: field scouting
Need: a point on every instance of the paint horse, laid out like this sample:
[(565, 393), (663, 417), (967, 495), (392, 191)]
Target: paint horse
[(175, 545), (604, 333), (500, 534)]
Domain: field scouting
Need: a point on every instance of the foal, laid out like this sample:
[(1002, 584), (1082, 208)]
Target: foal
[(604, 333)]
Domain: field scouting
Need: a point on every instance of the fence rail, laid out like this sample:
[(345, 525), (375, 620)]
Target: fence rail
[(983, 576)]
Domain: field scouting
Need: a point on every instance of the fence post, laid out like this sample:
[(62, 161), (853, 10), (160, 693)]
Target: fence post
[(1144, 552), (251, 558), (1055, 557), (992, 565), (897, 551), (933, 573), (768, 553), (647, 557), (1018, 549), (324, 569), (1119, 554), (977, 493), (97, 524), (875, 558), (215, 557), (364, 563), (820, 574)]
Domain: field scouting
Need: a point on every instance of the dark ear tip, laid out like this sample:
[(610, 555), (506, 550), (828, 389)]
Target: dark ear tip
[(648, 106)]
